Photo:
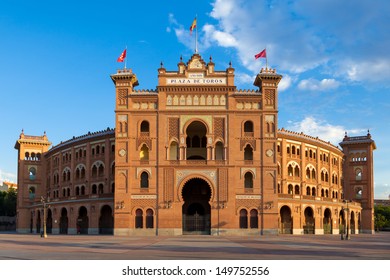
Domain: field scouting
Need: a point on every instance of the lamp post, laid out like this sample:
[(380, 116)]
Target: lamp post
[(347, 235), (45, 206)]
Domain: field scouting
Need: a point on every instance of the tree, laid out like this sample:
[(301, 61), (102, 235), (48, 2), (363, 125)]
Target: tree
[(8, 202), (382, 217)]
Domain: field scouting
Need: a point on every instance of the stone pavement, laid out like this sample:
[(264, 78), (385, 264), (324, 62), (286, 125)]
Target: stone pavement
[(282, 247)]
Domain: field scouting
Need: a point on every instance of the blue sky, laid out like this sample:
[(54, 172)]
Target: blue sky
[(56, 58)]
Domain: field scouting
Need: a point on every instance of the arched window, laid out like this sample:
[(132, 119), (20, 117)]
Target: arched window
[(144, 180), (358, 173), (313, 191), (32, 173), (139, 218), (293, 150), (196, 142), (94, 171), (290, 189), (243, 218), (219, 151), (248, 152), (101, 170), (290, 170), (308, 191), (307, 173), (313, 174), (248, 127), (77, 190), (31, 192), (254, 220), (322, 193), (149, 219), (144, 153), (296, 189), (145, 127), (94, 189), (248, 180), (174, 151), (101, 189), (296, 171)]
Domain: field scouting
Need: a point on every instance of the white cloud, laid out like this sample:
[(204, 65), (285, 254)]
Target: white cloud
[(316, 85), (285, 83), (7, 176), (325, 131), (300, 36)]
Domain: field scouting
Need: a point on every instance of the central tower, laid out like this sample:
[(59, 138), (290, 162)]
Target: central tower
[(196, 155)]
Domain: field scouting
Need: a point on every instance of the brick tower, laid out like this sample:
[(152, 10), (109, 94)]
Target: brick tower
[(359, 177), (31, 182)]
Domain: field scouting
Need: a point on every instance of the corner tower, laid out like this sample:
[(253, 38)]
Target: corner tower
[(267, 81), (30, 179), (358, 172)]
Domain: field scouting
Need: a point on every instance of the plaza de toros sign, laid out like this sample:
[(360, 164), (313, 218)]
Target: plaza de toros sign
[(196, 79)]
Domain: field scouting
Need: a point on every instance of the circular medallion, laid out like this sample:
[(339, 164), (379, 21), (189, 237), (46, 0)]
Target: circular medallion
[(122, 152), (269, 153)]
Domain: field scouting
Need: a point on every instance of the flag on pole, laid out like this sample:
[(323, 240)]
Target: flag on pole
[(122, 57), (193, 26), (263, 53)]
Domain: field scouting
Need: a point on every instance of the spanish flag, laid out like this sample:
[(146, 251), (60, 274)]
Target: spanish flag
[(193, 26)]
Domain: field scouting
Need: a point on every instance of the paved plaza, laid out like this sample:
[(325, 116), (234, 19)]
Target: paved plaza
[(282, 247)]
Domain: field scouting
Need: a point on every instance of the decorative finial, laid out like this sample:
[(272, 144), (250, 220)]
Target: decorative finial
[(211, 59), (181, 58), (230, 64), (161, 64)]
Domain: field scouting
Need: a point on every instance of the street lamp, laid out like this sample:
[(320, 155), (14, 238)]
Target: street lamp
[(45, 206), (347, 236)]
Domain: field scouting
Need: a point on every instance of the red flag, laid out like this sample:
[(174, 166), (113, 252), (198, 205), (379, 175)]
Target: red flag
[(122, 57), (261, 54), (193, 26)]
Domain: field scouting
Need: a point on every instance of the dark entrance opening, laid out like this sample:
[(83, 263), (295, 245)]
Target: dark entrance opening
[(64, 221), (327, 221), (286, 222), (106, 220), (309, 225), (82, 221), (196, 208)]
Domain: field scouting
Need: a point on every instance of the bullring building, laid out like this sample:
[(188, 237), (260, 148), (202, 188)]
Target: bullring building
[(195, 156)]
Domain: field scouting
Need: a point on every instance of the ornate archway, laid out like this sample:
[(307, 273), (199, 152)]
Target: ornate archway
[(196, 210), (286, 222)]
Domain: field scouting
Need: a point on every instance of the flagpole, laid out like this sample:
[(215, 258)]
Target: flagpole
[(266, 58), (126, 57), (196, 35)]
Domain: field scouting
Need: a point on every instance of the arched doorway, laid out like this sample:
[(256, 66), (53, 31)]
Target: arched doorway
[(286, 224), (308, 228), (49, 221), (327, 221), (342, 226), (64, 221), (38, 224), (196, 141), (82, 221), (352, 222), (106, 220), (196, 209)]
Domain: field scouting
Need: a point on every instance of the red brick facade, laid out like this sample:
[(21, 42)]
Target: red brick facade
[(194, 156)]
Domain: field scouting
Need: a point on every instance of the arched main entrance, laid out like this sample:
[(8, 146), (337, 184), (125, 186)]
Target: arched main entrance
[(196, 208)]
